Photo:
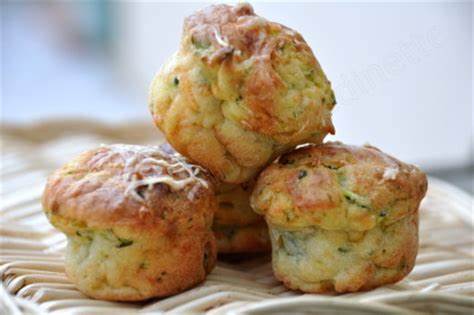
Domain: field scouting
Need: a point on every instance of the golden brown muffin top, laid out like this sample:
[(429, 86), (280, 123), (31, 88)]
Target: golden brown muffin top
[(338, 187), (129, 185), (240, 91), (237, 29), (260, 58)]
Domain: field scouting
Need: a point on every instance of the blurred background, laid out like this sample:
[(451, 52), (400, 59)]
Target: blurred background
[(402, 72)]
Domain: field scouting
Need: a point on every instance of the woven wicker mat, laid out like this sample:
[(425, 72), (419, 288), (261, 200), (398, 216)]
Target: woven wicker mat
[(31, 251)]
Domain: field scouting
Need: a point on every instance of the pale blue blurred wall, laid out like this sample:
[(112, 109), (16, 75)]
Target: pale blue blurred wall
[(57, 61), (402, 72)]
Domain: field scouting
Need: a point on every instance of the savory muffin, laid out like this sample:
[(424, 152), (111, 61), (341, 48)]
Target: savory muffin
[(240, 91), (137, 219), (237, 228), (341, 218)]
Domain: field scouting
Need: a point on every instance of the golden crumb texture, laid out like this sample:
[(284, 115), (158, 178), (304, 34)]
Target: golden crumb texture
[(342, 218), (240, 91), (237, 228), (138, 221)]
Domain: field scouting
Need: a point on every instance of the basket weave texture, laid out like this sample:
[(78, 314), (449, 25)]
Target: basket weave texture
[(31, 251)]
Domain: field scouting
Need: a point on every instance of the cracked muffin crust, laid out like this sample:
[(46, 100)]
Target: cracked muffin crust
[(240, 91), (137, 219), (341, 218)]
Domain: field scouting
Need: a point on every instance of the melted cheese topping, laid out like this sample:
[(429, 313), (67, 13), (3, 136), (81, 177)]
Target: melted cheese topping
[(148, 166), (390, 173), (220, 40)]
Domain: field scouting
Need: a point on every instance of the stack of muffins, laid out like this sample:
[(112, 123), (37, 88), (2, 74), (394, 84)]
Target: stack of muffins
[(235, 101)]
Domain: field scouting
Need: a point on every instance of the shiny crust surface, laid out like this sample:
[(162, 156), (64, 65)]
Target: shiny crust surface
[(338, 187), (240, 91)]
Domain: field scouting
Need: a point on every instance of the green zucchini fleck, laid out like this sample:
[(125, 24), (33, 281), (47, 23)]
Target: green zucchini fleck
[(85, 235), (331, 167), (199, 44), (124, 242), (343, 249), (291, 244), (302, 174), (333, 97), (355, 199)]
